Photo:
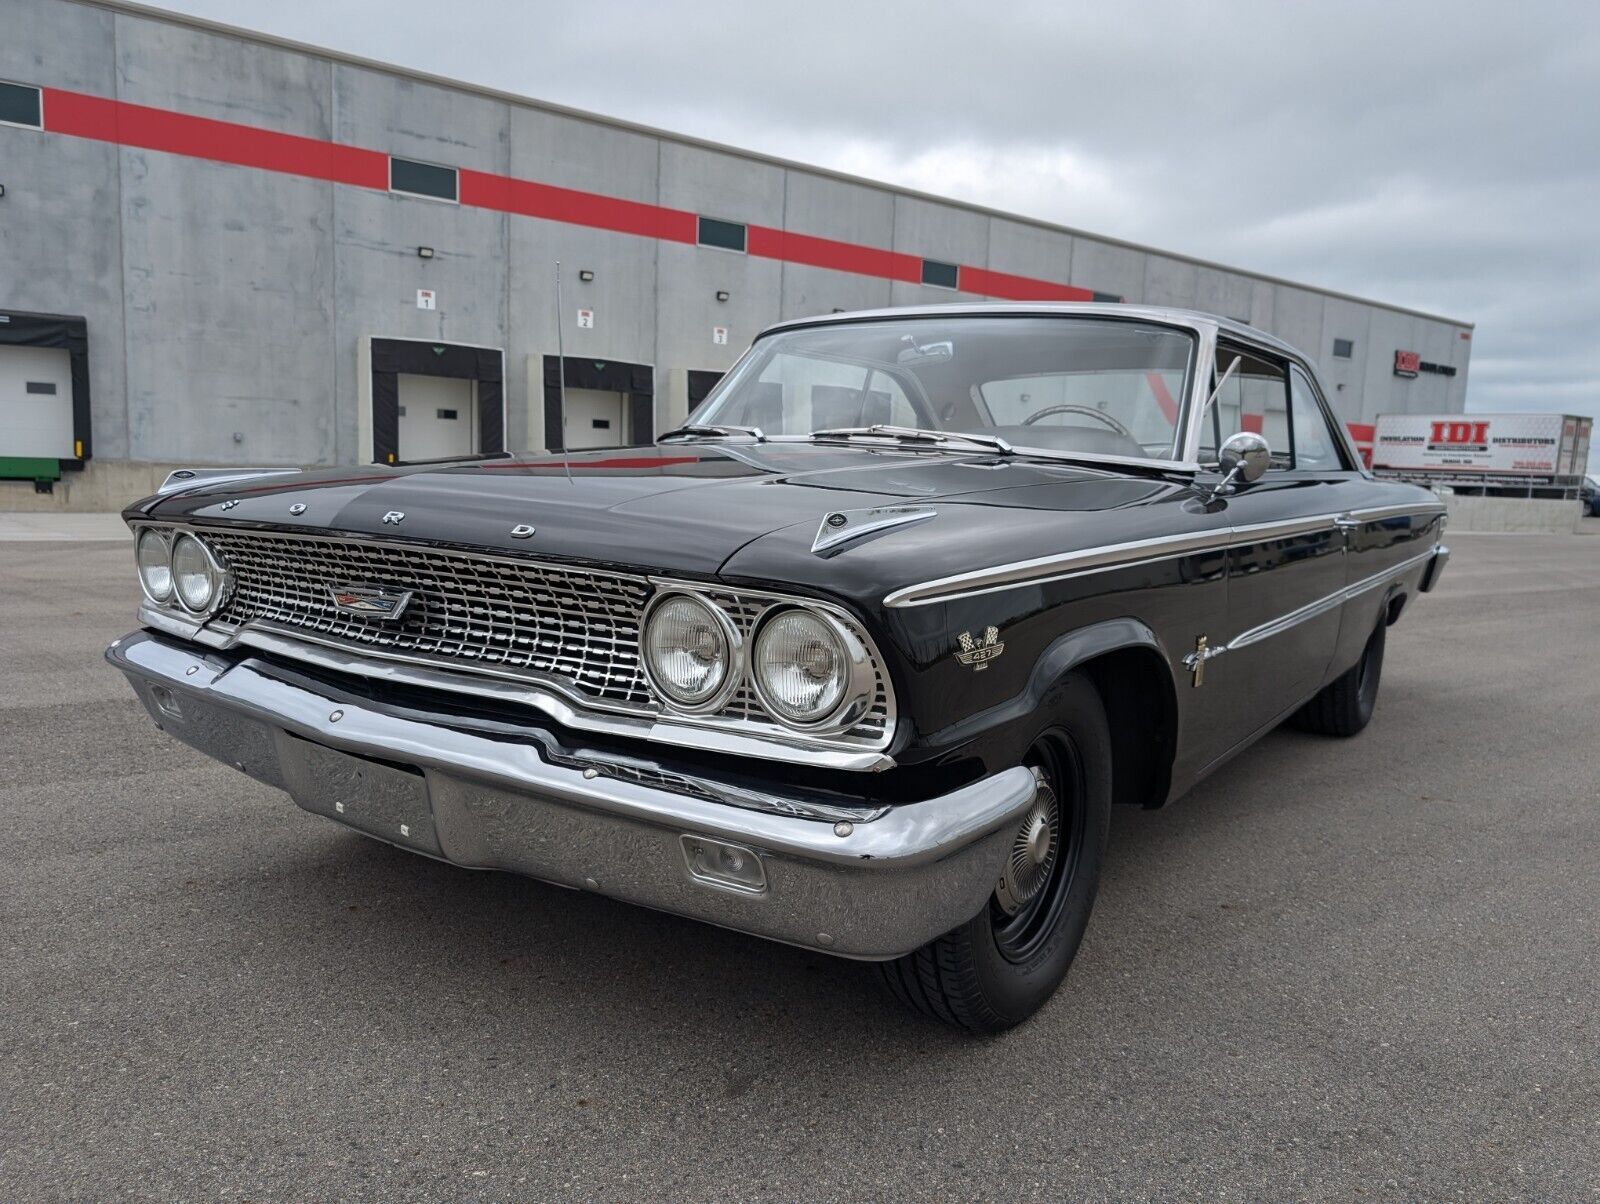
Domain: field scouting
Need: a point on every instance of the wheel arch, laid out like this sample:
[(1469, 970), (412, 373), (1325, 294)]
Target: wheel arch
[(1129, 668)]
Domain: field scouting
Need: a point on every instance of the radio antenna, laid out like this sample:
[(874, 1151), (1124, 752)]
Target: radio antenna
[(561, 382)]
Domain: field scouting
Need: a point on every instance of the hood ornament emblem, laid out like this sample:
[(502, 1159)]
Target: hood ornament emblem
[(298, 508), (394, 516), (370, 601), (847, 526), (521, 531), (978, 653)]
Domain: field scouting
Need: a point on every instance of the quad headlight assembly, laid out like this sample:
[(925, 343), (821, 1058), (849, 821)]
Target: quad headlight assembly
[(808, 670), (179, 572)]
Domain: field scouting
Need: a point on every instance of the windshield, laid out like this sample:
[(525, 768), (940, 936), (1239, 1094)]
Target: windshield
[(1096, 386)]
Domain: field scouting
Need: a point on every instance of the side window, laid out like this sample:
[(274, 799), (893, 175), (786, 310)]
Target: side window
[(1254, 398), (1316, 448)]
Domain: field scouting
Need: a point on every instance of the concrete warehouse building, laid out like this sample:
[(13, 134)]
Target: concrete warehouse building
[(221, 248)]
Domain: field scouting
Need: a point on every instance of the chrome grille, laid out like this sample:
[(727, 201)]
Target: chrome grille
[(574, 629)]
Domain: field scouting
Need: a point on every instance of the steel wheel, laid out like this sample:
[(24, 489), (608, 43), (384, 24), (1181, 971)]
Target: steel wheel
[(1038, 874)]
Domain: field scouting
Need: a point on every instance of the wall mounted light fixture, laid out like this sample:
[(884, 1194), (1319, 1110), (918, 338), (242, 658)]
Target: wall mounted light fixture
[(424, 252), (585, 275), (722, 294)]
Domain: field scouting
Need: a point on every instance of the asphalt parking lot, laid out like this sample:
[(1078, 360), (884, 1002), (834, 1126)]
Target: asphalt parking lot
[(1337, 970)]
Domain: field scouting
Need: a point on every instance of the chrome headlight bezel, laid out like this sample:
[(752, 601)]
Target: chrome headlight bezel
[(163, 537), (216, 574), (855, 695), (732, 645)]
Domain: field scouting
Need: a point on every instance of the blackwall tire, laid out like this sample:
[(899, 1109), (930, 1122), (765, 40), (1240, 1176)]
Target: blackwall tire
[(1344, 706), (1001, 966)]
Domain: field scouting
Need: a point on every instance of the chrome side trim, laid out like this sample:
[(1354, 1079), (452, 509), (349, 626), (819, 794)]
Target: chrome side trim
[(1322, 605), (1056, 568), (1374, 513), (735, 739), (1065, 565)]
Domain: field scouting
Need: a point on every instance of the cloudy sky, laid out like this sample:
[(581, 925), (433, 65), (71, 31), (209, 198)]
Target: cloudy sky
[(1443, 156)]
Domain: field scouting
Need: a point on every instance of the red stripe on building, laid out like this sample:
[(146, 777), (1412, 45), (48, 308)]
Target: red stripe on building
[(219, 141), (532, 199), (1018, 288), (767, 243), (83, 116)]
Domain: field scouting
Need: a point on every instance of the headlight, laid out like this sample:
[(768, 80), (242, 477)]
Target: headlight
[(154, 556), (802, 667), (688, 650), (196, 576)]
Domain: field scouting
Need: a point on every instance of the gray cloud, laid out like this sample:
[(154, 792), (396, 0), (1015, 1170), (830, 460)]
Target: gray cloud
[(1435, 155)]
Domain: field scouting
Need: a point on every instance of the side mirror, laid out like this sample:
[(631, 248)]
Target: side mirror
[(1243, 458)]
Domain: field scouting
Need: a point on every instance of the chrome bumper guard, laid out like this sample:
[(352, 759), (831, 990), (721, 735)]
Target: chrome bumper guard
[(871, 889)]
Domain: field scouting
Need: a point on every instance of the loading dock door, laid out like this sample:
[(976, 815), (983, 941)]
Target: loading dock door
[(595, 418), (36, 403), (438, 418)]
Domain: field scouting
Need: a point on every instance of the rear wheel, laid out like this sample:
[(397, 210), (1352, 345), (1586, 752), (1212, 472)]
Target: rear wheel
[(998, 969), (1344, 705)]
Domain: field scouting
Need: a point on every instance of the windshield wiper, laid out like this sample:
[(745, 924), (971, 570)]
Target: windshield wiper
[(701, 430), (915, 434)]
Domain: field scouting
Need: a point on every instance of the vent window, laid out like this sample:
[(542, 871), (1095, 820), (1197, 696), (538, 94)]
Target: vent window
[(1343, 349), (727, 236), (21, 105), (940, 275), (422, 179)]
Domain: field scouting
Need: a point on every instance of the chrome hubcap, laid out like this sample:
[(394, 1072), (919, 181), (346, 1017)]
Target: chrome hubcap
[(1032, 851)]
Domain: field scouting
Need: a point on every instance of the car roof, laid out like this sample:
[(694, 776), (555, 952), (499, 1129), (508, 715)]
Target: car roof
[(1110, 309)]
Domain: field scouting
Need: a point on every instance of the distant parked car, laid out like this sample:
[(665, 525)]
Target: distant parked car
[(1589, 493)]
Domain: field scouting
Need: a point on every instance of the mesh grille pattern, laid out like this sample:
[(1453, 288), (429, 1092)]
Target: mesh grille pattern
[(570, 627), (581, 628)]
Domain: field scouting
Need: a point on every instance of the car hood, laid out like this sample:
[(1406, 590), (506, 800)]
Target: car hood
[(686, 508)]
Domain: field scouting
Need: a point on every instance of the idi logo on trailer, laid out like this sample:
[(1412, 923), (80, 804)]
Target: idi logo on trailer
[(1459, 436)]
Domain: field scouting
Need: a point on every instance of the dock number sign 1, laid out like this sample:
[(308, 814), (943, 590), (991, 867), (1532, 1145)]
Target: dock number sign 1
[(425, 299)]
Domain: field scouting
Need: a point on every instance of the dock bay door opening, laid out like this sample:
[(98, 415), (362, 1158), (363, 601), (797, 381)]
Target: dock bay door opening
[(44, 395), (606, 403), (435, 401)]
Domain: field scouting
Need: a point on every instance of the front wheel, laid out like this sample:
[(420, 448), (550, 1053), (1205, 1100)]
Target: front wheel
[(1000, 967)]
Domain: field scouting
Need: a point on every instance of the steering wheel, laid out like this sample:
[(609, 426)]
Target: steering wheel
[(1071, 409)]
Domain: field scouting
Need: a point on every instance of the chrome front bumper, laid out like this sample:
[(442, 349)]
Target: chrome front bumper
[(870, 888)]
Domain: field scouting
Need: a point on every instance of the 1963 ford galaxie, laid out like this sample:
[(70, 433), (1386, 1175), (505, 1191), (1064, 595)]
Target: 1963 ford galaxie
[(859, 659)]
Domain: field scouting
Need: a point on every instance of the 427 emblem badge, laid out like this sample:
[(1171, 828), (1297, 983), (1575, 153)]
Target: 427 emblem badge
[(978, 653)]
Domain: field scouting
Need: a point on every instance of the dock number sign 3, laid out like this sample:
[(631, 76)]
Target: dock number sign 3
[(719, 335)]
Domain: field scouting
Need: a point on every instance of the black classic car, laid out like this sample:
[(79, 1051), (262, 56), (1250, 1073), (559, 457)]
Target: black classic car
[(858, 659)]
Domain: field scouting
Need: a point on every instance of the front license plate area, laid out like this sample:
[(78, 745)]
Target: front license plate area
[(383, 800)]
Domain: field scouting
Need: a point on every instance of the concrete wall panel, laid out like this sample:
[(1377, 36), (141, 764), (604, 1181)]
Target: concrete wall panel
[(1025, 250), (1170, 282), (1107, 268)]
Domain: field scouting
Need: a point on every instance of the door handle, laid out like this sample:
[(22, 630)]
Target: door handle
[(1347, 522)]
